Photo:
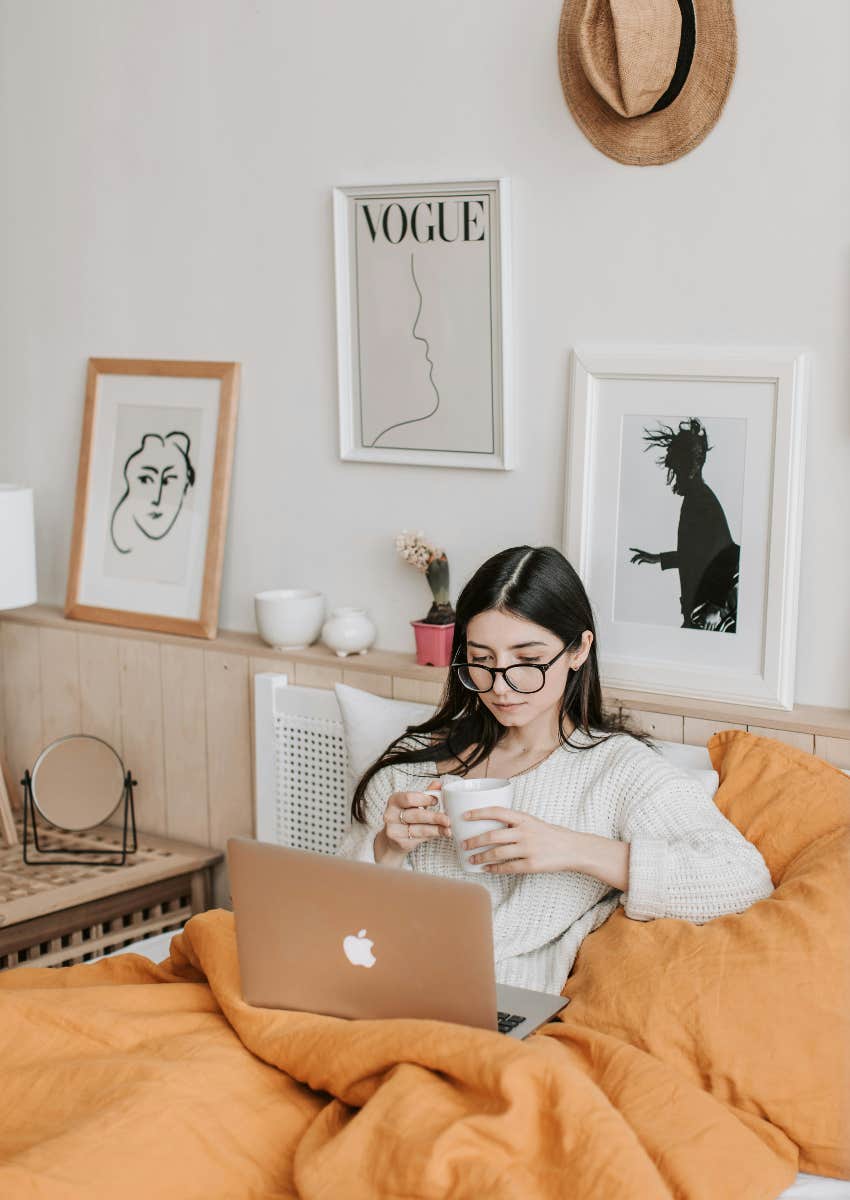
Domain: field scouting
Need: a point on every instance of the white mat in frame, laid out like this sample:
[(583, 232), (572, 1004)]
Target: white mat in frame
[(751, 404)]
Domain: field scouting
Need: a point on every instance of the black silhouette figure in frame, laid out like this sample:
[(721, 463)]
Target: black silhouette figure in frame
[(706, 556)]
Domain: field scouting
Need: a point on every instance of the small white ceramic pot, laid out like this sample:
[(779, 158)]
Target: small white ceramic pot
[(289, 618), (349, 631)]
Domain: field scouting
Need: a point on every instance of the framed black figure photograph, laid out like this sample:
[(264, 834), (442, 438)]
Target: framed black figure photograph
[(684, 516), (423, 329), (152, 490)]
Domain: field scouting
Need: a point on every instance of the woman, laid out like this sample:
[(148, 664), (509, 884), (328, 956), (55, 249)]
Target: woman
[(598, 818)]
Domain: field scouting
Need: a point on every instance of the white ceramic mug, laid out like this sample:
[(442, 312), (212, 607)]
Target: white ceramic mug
[(459, 795)]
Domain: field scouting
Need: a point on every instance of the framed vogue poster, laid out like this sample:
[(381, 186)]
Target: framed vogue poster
[(152, 491), (423, 282), (684, 516)]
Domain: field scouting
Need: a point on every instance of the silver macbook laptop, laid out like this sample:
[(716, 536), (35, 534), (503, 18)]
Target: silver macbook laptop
[(322, 934)]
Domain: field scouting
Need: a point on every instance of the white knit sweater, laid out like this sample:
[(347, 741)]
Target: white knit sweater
[(686, 859)]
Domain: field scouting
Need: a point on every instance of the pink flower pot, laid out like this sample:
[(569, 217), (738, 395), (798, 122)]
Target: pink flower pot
[(433, 643)]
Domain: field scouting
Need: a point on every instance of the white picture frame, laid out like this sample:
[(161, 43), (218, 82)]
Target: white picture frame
[(751, 404), (423, 323)]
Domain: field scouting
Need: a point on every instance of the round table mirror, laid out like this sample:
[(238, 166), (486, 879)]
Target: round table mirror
[(77, 782)]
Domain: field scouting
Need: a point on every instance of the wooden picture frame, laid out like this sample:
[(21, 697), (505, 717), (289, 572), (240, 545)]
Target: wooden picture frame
[(665, 630), (119, 556)]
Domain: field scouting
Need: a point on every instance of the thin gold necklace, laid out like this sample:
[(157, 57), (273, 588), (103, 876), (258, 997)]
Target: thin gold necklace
[(525, 770)]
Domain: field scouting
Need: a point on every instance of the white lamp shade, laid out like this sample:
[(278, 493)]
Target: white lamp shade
[(17, 547)]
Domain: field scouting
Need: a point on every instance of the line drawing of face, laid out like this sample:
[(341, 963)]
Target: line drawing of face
[(157, 477), (428, 359)]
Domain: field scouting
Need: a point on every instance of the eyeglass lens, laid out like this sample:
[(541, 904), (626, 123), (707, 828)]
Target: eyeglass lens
[(520, 677)]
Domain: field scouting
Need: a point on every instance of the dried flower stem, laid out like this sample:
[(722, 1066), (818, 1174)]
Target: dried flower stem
[(431, 559)]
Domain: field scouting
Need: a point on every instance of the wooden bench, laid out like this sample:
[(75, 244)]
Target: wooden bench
[(54, 915)]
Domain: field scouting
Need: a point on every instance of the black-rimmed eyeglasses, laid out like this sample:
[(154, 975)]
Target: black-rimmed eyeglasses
[(520, 677)]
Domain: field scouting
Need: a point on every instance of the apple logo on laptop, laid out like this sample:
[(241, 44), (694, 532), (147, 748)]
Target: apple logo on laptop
[(358, 950)]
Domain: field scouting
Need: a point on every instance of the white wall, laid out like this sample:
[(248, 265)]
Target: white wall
[(166, 192)]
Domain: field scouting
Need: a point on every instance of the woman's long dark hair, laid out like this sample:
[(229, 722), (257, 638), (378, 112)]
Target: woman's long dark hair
[(539, 585)]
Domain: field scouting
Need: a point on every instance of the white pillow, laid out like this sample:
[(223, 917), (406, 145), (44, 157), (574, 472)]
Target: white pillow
[(694, 761), (372, 722)]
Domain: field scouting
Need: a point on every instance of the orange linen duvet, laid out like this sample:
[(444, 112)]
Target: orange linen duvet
[(706, 1062)]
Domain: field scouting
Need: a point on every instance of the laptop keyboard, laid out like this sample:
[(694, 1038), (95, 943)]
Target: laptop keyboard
[(508, 1021)]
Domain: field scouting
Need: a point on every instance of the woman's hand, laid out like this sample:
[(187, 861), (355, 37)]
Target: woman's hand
[(409, 819), (527, 845), (524, 846)]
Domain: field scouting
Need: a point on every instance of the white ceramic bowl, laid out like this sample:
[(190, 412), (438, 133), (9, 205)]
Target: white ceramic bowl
[(289, 618)]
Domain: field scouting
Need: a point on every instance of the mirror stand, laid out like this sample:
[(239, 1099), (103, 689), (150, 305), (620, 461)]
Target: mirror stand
[(82, 856)]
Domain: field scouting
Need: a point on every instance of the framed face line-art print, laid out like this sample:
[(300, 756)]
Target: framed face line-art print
[(423, 336), (152, 489), (684, 516)]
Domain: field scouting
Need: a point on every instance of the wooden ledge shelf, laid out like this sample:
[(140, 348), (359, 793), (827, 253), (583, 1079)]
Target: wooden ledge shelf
[(375, 662)]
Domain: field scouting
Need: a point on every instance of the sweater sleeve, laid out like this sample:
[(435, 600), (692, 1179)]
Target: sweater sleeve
[(358, 840), (686, 859)]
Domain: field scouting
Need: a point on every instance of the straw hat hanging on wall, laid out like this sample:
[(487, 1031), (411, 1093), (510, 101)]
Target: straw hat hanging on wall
[(646, 80)]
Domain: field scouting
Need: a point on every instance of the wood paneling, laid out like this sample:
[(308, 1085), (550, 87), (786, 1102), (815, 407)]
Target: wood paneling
[(60, 684), (275, 666), (229, 703), (379, 685), (803, 741), (2, 701), (100, 689), (834, 750), (141, 730), (666, 727), (803, 718), (22, 706), (180, 712), (310, 675), (385, 662), (8, 832), (416, 690), (184, 730), (698, 731), (228, 746)]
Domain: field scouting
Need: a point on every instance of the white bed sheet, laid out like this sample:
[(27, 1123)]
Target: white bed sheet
[(815, 1187), (804, 1187), (155, 948)]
